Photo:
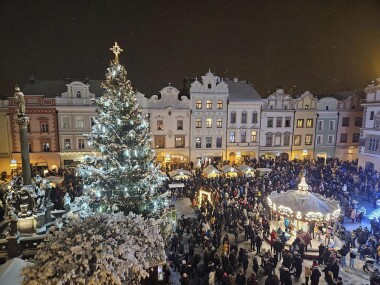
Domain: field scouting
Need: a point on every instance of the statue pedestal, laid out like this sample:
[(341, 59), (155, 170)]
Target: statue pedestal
[(49, 208), (40, 220)]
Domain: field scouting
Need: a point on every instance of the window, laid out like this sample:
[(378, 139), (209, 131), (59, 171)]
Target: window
[(343, 138), (308, 139), (269, 139), (277, 139), (80, 143), (219, 104), (198, 123), (270, 123), (320, 125), (300, 123), (179, 141), (278, 122), (79, 94), (244, 117), (79, 123), (44, 127), (287, 122), (30, 146), (345, 121), (297, 140), (319, 139), (371, 115), (243, 136), (327, 108), (330, 139), (233, 118), (358, 121), (159, 141), (160, 125), (219, 142), (65, 122), (67, 143), (198, 104), (46, 147), (377, 122), (254, 118), (331, 125), (208, 104), (306, 107), (355, 137), (208, 123), (198, 142), (209, 86), (373, 144), (218, 123), (232, 137), (179, 124), (286, 139), (208, 142), (309, 123), (253, 136)]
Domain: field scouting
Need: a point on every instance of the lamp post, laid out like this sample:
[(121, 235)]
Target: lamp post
[(13, 166)]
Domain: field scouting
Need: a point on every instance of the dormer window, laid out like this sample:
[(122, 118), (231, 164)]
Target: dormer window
[(209, 86), (79, 94)]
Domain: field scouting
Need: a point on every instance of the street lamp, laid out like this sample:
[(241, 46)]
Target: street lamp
[(13, 166)]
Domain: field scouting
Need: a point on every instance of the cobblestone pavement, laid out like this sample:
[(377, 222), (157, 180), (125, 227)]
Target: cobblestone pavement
[(350, 277)]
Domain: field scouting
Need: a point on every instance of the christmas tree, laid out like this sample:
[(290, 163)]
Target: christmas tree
[(122, 176)]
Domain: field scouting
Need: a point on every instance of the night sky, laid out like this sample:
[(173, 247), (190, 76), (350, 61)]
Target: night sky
[(321, 46)]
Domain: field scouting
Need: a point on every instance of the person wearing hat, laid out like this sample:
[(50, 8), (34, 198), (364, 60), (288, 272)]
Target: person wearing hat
[(184, 279), (315, 275)]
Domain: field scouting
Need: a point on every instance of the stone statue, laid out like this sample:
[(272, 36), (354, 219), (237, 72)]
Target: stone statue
[(20, 99)]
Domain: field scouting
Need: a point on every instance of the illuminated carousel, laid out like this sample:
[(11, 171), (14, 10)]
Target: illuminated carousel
[(299, 207)]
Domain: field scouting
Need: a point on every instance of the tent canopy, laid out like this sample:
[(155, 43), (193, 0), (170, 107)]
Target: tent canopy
[(10, 272), (210, 170), (245, 168), (227, 169)]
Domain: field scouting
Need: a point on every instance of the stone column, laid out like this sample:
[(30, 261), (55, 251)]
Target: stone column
[(23, 122)]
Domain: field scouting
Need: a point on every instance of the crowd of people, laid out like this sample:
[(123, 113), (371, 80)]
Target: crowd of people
[(237, 211)]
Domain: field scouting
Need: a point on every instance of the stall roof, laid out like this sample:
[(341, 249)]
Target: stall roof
[(227, 168), (245, 168), (210, 169), (179, 172)]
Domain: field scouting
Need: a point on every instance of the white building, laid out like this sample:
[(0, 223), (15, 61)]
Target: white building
[(208, 104), (76, 111), (277, 117), (170, 126), (244, 113), (369, 151)]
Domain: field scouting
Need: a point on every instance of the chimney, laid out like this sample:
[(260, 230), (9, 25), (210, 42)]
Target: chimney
[(235, 79)]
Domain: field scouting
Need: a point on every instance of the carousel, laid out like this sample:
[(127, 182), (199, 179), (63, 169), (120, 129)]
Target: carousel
[(299, 207)]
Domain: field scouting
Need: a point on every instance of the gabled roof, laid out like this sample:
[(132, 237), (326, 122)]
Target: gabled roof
[(241, 91)]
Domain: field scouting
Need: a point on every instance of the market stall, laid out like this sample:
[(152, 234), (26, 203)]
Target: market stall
[(229, 171), (246, 170), (263, 171), (211, 172), (179, 174)]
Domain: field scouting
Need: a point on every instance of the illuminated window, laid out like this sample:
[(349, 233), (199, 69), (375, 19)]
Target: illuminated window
[(198, 142), (80, 143), (309, 123), (300, 123), (209, 104), (297, 140), (232, 137), (308, 139), (179, 141), (198, 104), (67, 143), (208, 123), (159, 141), (219, 104), (46, 147), (218, 123), (253, 136), (198, 123)]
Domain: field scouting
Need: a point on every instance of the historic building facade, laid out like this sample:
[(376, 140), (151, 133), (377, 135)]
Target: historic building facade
[(276, 132), (349, 124), (244, 116), (326, 128), (170, 126), (369, 152), (5, 141), (76, 111), (304, 126), (43, 135), (208, 128)]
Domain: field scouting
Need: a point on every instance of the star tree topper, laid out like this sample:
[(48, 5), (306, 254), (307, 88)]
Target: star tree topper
[(116, 51)]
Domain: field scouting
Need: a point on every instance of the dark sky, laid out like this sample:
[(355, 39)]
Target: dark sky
[(321, 46)]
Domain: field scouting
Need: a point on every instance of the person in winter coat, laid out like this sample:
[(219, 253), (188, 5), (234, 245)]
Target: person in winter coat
[(240, 278), (307, 274), (259, 242), (255, 266), (225, 279), (252, 279), (335, 269), (245, 264), (272, 280), (297, 265), (315, 275), (352, 258), (184, 279), (211, 278)]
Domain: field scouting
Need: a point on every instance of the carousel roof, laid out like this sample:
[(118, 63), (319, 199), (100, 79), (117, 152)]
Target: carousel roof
[(304, 205)]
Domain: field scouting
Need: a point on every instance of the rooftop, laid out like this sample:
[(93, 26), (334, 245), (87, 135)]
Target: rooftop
[(241, 91)]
